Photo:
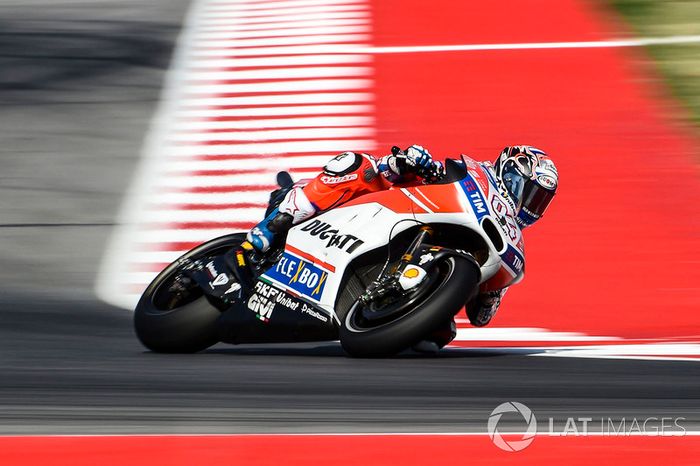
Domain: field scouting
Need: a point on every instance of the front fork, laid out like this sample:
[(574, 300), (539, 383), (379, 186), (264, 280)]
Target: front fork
[(389, 281), (412, 269)]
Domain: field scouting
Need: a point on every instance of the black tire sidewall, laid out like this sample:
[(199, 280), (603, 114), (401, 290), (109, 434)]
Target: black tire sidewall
[(431, 314), (186, 329)]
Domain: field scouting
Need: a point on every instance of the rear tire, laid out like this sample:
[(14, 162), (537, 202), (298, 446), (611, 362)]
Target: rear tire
[(459, 280), (186, 328)]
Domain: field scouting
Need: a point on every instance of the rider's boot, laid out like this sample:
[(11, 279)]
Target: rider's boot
[(483, 308), (438, 339), (262, 235), (294, 208), (252, 251)]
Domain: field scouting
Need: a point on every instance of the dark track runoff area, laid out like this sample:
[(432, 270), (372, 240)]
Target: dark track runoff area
[(73, 120)]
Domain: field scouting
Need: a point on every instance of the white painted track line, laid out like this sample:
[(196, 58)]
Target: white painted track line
[(351, 49), (689, 39), (330, 49)]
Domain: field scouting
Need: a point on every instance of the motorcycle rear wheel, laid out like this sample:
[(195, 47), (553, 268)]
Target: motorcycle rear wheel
[(458, 280), (167, 323)]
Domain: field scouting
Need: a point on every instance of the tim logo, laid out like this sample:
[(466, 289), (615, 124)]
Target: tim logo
[(300, 275), (513, 259), (476, 199)]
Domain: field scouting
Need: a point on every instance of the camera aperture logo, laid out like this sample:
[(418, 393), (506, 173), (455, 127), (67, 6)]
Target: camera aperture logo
[(529, 432), (521, 433)]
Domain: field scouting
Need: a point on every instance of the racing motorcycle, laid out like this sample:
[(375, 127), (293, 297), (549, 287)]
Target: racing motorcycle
[(380, 273)]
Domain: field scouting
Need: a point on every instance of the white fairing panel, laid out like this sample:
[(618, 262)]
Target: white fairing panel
[(336, 237)]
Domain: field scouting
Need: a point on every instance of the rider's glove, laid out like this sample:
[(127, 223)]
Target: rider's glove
[(419, 161), (436, 172), (414, 160)]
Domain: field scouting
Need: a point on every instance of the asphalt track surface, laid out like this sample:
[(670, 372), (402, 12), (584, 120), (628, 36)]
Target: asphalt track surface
[(75, 367), (70, 364)]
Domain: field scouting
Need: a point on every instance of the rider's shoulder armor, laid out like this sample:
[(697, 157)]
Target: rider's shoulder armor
[(344, 163)]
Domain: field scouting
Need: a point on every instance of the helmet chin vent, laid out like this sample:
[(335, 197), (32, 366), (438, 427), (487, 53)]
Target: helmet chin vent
[(493, 234)]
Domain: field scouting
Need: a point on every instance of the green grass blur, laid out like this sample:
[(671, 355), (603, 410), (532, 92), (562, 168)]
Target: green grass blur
[(679, 64)]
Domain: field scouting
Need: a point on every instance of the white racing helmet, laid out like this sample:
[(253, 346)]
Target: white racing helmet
[(531, 180)]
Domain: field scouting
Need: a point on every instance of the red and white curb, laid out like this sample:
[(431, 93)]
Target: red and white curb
[(251, 92), (531, 341)]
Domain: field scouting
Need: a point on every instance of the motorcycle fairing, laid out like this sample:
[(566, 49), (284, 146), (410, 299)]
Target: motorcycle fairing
[(495, 207), (298, 272), (270, 315), (327, 244)]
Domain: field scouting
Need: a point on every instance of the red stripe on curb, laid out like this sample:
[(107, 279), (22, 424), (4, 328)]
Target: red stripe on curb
[(201, 226), (220, 189), (183, 246), (205, 206), (263, 157), (237, 171)]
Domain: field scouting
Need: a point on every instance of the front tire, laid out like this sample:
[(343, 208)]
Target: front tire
[(459, 279), (165, 325)]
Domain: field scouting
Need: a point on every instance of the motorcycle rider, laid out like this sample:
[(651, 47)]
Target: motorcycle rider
[(527, 177), (530, 179)]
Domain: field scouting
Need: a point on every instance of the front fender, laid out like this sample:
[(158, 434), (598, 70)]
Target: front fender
[(429, 256)]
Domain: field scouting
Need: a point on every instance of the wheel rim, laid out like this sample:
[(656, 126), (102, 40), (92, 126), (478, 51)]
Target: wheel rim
[(165, 300), (362, 319)]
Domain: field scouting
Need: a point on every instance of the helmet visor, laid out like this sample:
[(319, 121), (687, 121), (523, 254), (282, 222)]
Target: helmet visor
[(515, 184), (535, 199)]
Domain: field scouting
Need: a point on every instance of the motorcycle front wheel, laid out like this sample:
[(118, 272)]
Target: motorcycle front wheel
[(437, 300)]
